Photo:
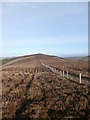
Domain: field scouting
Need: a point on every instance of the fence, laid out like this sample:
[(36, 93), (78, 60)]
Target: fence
[(65, 74)]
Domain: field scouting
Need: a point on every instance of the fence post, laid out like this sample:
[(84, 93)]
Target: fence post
[(60, 73), (63, 73), (54, 70), (67, 74), (57, 71), (80, 77)]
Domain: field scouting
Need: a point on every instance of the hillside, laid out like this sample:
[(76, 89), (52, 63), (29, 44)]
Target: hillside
[(28, 58), (35, 87), (85, 58)]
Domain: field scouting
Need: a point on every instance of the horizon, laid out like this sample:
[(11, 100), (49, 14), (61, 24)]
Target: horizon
[(42, 54), (59, 29)]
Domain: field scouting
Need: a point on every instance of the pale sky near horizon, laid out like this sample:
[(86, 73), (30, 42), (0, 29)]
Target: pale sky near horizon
[(51, 28)]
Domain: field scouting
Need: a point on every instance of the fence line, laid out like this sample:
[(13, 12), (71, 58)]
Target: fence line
[(64, 74)]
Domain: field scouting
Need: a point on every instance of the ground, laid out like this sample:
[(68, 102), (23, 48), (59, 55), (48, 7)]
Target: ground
[(32, 91)]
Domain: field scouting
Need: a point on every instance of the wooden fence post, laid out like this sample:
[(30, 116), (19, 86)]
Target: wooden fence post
[(57, 71), (60, 73), (63, 73), (67, 74), (80, 77)]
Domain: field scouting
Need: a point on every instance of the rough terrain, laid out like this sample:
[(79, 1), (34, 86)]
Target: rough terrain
[(32, 91)]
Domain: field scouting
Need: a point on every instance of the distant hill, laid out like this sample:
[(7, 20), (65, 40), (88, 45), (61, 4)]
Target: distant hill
[(5, 60), (33, 57), (85, 58)]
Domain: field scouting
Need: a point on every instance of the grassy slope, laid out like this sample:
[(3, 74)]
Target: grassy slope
[(4, 61)]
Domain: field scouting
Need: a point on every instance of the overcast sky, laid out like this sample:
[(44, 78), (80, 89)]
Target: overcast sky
[(51, 28)]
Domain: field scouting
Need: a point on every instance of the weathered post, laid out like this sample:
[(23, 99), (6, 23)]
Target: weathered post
[(63, 73), (57, 71), (80, 78), (60, 72), (53, 69), (67, 74)]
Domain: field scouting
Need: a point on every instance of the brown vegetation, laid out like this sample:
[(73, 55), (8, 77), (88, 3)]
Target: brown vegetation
[(32, 91)]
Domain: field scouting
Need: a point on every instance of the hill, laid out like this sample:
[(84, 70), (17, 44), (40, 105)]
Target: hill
[(38, 87), (85, 58), (28, 58)]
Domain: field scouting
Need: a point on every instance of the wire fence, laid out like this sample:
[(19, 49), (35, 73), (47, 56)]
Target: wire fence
[(72, 76)]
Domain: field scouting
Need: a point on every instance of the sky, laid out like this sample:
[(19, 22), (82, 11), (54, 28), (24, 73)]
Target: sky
[(51, 28)]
